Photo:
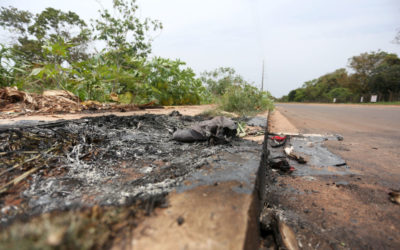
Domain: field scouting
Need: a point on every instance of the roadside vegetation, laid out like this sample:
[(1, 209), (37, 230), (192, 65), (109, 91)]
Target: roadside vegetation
[(233, 93), (374, 73), (54, 49)]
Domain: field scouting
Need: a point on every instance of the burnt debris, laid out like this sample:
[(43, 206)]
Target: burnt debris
[(218, 130), (105, 161)]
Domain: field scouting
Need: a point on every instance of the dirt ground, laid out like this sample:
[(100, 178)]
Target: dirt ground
[(185, 110), (350, 211)]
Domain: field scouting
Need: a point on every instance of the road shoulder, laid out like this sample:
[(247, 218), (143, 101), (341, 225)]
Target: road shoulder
[(334, 211)]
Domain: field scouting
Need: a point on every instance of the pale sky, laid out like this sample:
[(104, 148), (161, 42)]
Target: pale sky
[(299, 40)]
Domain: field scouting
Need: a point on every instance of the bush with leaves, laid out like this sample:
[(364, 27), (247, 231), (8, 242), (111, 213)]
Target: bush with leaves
[(245, 99), (171, 84), (136, 80), (10, 73), (162, 80), (93, 79), (220, 79), (233, 93), (124, 34), (52, 73)]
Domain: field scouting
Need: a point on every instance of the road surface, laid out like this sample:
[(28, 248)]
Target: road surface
[(371, 132), (357, 215)]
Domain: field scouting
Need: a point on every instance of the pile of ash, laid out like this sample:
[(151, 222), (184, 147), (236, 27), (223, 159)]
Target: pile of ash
[(105, 161)]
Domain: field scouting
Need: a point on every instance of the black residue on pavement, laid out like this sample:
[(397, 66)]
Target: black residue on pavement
[(318, 162), (319, 158)]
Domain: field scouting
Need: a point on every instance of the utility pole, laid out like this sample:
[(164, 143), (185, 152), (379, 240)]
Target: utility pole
[(262, 78)]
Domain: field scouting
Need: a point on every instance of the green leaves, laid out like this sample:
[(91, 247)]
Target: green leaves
[(36, 72), (245, 99), (169, 83), (50, 25), (47, 55), (10, 70), (341, 94), (123, 32), (233, 93), (15, 20), (219, 80)]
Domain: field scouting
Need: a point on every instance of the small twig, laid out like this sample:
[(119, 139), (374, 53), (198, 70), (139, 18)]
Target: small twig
[(19, 164), (32, 138), (29, 160), (19, 178), (257, 132), (19, 152), (27, 152)]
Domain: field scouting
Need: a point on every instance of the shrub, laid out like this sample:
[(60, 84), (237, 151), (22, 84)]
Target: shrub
[(135, 80), (220, 80), (171, 84), (246, 99)]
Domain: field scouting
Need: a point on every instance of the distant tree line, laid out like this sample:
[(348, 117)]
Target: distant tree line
[(374, 73)]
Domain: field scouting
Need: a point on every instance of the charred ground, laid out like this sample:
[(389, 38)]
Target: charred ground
[(96, 166)]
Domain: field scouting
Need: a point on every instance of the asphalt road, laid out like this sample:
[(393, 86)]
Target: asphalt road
[(372, 133), (359, 214), (347, 119)]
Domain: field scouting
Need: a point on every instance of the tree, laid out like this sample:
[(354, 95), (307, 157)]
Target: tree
[(300, 95), (16, 21), (219, 80), (317, 90), (51, 25), (341, 94), (364, 65), (385, 79), (397, 38), (291, 95), (123, 32), (374, 73)]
